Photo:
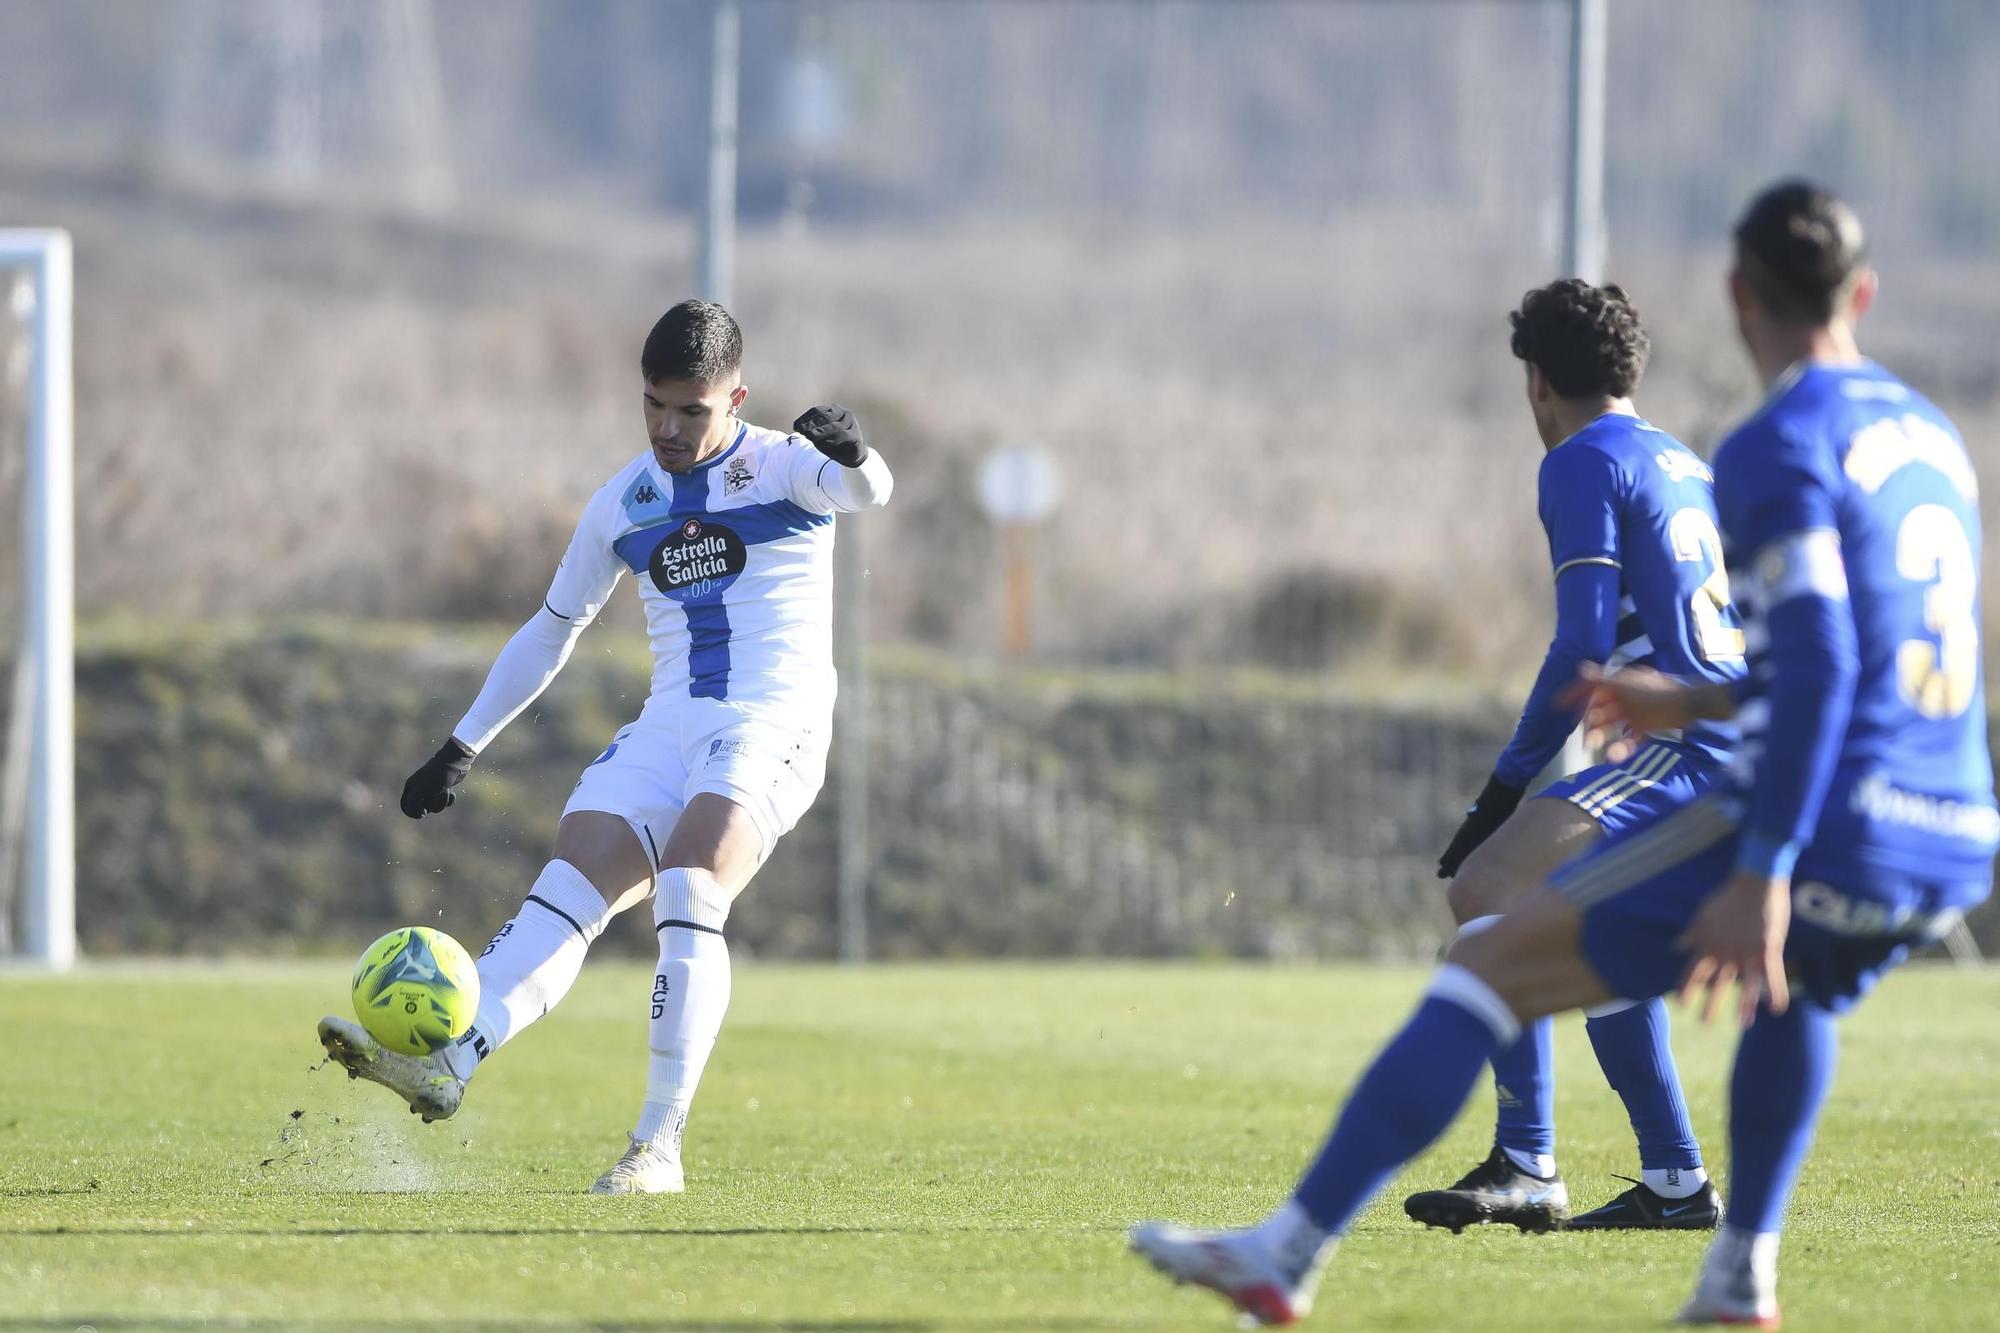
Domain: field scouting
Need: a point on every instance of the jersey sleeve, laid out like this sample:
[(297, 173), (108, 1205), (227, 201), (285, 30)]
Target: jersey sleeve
[(1586, 631), (537, 651), (590, 567), (1582, 492), (819, 485), (1780, 509)]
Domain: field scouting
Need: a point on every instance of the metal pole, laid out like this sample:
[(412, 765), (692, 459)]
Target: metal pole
[(1583, 220), (850, 573), (48, 601), (718, 223)]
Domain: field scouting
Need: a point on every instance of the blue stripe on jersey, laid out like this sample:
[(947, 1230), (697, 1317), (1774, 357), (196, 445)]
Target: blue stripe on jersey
[(708, 618), (755, 524), (707, 614)]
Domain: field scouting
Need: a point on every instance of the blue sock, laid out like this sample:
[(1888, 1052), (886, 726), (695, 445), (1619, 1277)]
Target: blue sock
[(1524, 1083), (1784, 1066), (1638, 1060), (1408, 1097)]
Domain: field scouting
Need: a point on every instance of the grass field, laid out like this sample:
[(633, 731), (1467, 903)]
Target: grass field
[(950, 1147)]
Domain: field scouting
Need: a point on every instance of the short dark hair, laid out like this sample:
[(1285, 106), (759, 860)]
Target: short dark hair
[(1587, 340), (696, 340), (1800, 247)]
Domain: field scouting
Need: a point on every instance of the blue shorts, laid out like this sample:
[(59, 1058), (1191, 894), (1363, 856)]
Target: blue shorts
[(1654, 781), (1851, 922)]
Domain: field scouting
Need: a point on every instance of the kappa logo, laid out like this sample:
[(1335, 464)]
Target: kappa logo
[(646, 495), (736, 476)]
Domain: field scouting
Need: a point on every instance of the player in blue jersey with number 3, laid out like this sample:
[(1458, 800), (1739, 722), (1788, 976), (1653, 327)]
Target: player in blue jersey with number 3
[(1859, 823), (1639, 578)]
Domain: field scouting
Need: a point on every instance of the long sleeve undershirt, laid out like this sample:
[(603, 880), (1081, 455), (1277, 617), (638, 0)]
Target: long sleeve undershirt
[(1586, 631), (524, 668)]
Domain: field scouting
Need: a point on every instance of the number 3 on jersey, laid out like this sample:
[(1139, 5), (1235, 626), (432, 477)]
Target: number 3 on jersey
[(1939, 679), (1695, 538)]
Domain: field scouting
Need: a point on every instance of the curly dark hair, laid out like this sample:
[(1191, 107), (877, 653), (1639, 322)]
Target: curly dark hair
[(696, 340), (1799, 246), (1587, 340)]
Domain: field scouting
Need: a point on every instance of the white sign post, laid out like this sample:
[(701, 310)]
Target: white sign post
[(1019, 486)]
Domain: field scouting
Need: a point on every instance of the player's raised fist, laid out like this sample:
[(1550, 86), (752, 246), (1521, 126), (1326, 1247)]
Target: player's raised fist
[(429, 789), (833, 431)]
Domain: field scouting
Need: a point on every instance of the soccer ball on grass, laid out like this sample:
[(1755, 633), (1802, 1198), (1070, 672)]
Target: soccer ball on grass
[(416, 990)]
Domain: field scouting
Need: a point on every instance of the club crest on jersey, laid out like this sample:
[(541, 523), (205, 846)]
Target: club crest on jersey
[(736, 476), (697, 560)]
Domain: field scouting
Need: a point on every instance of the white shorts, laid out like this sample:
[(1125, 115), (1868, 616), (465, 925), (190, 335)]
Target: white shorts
[(770, 764)]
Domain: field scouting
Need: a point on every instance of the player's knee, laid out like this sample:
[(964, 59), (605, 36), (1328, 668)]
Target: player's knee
[(1466, 896), (1482, 887), (691, 898), (608, 852)]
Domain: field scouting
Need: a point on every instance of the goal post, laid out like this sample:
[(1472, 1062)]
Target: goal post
[(35, 263)]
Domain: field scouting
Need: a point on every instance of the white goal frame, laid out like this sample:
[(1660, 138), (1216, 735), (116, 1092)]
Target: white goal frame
[(47, 663)]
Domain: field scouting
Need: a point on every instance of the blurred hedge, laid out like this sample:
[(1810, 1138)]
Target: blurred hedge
[(236, 792)]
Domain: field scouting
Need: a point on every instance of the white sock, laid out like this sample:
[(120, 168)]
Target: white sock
[(532, 961), (690, 997), (1294, 1241), (1541, 1164), (1675, 1182)]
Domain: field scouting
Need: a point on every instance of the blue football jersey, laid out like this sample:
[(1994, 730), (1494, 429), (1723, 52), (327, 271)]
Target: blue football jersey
[(1624, 493), (1849, 487)]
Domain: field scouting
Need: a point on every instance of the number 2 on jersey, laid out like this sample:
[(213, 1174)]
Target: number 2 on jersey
[(1695, 538)]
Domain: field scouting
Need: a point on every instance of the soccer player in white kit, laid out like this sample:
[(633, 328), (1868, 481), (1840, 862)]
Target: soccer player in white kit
[(728, 531)]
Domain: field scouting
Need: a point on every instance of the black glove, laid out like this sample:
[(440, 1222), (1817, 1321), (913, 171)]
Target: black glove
[(1488, 813), (834, 432), (429, 789)]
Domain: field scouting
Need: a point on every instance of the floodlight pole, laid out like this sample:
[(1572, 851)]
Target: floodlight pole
[(1583, 218), (1583, 212), (718, 221), (850, 740), (48, 598)]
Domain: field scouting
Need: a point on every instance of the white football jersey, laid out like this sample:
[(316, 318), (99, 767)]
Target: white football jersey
[(734, 562)]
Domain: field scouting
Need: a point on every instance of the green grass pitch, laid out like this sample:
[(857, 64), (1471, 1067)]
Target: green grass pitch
[(902, 1148)]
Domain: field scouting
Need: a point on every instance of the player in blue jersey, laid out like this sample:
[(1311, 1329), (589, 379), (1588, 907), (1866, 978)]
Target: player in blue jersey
[(1630, 515), (1858, 825)]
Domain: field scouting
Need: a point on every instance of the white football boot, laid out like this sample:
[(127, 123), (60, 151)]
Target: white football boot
[(644, 1169), (1234, 1264), (1738, 1283), (423, 1081)]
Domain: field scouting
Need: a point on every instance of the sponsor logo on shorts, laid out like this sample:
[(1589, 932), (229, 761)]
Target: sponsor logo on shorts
[(727, 747)]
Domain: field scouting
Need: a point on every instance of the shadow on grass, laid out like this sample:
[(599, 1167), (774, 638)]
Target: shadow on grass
[(109, 1323), (446, 1233)]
